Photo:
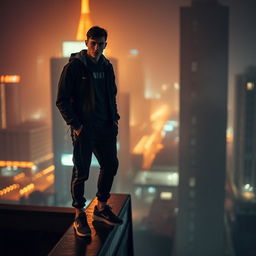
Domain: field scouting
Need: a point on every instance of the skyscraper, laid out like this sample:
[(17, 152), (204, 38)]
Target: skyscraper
[(245, 137), (203, 100)]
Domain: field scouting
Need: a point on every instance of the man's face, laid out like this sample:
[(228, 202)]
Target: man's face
[(96, 46)]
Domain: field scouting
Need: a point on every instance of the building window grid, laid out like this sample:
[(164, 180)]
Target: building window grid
[(192, 179)]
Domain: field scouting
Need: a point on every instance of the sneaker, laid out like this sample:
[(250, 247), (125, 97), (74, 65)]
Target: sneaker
[(106, 215), (81, 225)]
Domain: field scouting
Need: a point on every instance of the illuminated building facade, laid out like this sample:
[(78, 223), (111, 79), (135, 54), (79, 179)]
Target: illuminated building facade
[(27, 142), (9, 109), (245, 137), (25, 161), (25, 152), (203, 100)]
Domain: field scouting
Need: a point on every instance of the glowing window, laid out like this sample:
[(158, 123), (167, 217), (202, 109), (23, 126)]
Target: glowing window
[(166, 195), (66, 160), (134, 52), (9, 79), (151, 190), (176, 86), (249, 86)]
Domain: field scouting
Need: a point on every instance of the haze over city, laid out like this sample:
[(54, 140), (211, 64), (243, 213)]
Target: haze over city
[(186, 145), (33, 31)]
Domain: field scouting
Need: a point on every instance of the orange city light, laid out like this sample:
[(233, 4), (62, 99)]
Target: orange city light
[(44, 172), (16, 164), (8, 189), (85, 21), (9, 79), (19, 176), (26, 189)]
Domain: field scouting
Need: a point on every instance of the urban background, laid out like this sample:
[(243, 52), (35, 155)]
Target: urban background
[(186, 78)]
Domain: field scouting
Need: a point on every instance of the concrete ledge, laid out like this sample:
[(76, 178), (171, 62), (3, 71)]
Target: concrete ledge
[(105, 240)]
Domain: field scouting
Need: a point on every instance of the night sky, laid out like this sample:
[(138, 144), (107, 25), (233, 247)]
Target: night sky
[(32, 31)]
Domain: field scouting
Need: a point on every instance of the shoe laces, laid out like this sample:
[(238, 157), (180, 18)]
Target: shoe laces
[(108, 210), (108, 206)]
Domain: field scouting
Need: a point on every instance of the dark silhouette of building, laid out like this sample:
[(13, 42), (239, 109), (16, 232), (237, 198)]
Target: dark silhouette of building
[(203, 116), (245, 137)]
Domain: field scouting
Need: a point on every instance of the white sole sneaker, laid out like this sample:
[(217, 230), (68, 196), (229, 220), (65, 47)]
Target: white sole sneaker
[(80, 234), (97, 218)]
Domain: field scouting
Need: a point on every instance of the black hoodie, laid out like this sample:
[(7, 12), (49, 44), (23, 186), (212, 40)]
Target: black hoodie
[(76, 95)]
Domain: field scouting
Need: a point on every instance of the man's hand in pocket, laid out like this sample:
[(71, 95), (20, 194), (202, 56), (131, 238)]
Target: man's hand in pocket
[(77, 132)]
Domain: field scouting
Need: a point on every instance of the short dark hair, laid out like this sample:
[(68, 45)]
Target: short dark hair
[(96, 32)]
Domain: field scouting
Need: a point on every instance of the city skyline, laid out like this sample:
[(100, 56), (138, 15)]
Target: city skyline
[(163, 53), (157, 44)]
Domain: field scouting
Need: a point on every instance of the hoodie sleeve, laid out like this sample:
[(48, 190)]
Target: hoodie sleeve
[(115, 92), (64, 97)]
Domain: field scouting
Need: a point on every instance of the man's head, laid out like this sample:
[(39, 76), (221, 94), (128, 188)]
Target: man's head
[(96, 41)]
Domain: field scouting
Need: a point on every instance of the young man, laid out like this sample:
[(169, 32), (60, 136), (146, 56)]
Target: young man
[(87, 101)]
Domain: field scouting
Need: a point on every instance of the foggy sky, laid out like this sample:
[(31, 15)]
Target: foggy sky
[(32, 31)]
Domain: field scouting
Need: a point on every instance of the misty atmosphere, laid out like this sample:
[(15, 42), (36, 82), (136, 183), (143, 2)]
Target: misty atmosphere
[(186, 78)]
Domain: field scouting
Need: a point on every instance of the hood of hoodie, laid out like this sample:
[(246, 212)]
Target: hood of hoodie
[(82, 57)]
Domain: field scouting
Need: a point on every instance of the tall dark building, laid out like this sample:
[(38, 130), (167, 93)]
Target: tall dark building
[(245, 137), (203, 116)]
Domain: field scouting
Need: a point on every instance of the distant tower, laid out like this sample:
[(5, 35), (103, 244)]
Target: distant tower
[(84, 25), (203, 117), (85, 21), (245, 136)]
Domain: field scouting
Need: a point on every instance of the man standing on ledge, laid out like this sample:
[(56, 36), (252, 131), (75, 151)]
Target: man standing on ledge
[(87, 101)]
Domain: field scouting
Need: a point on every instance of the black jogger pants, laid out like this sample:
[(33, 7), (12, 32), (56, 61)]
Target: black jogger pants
[(100, 140)]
